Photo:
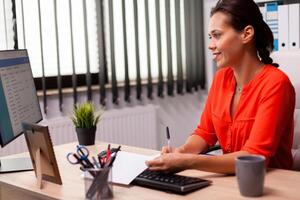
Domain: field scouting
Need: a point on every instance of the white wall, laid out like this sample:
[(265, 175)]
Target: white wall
[(6, 25), (210, 66)]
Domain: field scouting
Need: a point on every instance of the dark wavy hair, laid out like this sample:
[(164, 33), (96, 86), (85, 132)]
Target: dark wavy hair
[(243, 13)]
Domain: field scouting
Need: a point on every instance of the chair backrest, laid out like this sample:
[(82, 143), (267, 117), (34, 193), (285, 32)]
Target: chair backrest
[(296, 142), (289, 63)]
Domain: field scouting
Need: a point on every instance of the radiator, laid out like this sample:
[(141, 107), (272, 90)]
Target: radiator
[(135, 126)]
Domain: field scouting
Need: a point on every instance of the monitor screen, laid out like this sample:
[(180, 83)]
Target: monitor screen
[(18, 97)]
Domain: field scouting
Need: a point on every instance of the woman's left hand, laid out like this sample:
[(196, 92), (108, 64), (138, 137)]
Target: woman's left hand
[(171, 162)]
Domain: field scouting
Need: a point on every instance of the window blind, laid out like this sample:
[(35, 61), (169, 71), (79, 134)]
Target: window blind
[(111, 44)]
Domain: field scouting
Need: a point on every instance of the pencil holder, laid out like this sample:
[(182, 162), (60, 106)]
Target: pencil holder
[(99, 185)]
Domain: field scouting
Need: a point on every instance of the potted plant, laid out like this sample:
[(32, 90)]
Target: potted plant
[(85, 120)]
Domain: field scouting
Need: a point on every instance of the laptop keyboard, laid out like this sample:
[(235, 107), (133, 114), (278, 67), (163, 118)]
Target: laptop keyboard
[(171, 182)]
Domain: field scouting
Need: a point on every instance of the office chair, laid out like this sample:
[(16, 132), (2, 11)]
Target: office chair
[(296, 142), (215, 150), (289, 63)]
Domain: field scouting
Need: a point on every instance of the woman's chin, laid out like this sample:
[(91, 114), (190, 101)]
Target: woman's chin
[(220, 65)]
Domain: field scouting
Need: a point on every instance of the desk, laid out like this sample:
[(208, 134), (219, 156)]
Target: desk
[(279, 184)]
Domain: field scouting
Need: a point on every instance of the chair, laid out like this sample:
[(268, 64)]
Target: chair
[(296, 143), (289, 63)]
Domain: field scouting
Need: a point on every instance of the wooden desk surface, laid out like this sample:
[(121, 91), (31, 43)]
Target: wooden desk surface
[(279, 184)]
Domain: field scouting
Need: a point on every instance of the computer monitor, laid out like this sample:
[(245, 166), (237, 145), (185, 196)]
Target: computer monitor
[(18, 103)]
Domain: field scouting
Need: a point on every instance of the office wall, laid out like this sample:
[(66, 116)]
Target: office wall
[(181, 112), (210, 66)]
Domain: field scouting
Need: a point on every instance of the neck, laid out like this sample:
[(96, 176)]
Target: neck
[(245, 71)]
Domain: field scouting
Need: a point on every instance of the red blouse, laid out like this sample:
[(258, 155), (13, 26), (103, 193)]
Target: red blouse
[(263, 121)]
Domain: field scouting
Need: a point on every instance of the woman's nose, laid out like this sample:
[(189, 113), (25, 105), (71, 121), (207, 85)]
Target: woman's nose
[(211, 45)]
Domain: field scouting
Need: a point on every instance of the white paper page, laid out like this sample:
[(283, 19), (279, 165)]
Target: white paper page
[(127, 166)]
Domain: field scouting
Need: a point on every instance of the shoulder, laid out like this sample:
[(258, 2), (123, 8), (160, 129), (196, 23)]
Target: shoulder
[(223, 75), (274, 76), (223, 72), (274, 72), (275, 82), (223, 78)]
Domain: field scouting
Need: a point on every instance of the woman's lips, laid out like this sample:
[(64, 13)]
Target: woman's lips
[(215, 55)]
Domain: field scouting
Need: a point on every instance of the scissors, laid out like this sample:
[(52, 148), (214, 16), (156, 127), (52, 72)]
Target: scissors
[(80, 157)]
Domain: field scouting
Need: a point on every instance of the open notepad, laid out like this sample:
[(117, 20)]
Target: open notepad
[(127, 167)]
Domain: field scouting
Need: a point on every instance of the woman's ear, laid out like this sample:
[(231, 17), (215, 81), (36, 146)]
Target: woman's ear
[(247, 34)]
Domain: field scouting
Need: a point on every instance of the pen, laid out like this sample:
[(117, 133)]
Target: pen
[(114, 157), (168, 138), (101, 161), (108, 153), (96, 163)]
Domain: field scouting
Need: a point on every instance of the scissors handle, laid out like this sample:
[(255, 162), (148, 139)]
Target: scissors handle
[(73, 158), (82, 151)]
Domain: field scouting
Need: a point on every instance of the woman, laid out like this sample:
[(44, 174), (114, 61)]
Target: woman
[(250, 105)]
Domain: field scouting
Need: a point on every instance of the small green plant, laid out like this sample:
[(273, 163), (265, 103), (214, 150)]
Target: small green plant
[(85, 116)]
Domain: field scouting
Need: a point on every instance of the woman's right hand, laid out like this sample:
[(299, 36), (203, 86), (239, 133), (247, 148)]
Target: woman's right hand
[(166, 149), (194, 145)]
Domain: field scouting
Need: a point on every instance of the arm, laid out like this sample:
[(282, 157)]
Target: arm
[(194, 144), (174, 162), (204, 135), (224, 164)]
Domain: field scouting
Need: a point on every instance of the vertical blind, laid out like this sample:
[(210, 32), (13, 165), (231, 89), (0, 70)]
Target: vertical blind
[(119, 43)]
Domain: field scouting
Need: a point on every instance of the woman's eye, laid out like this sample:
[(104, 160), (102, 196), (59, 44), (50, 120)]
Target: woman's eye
[(214, 36), (217, 35)]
